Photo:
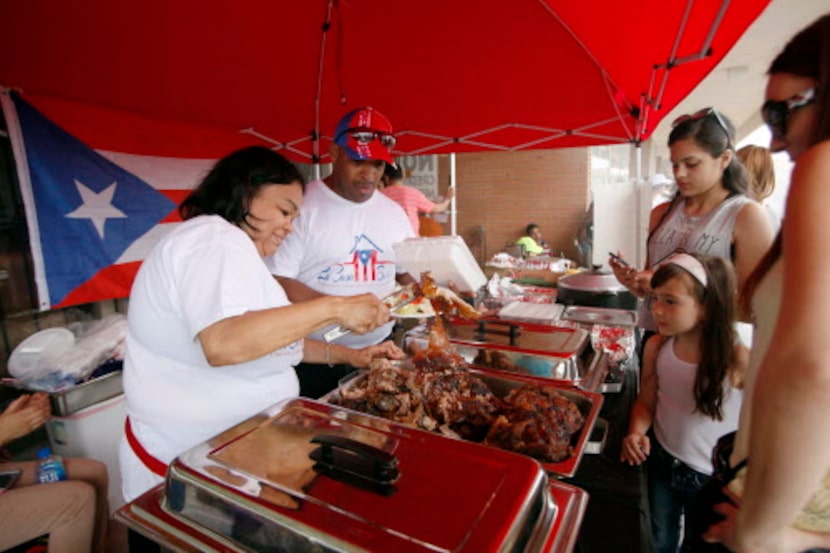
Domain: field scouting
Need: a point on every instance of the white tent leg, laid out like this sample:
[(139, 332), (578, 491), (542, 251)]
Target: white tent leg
[(453, 222)]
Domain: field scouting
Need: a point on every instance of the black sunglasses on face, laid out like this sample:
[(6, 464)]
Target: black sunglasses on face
[(706, 112), (776, 112), (365, 137)]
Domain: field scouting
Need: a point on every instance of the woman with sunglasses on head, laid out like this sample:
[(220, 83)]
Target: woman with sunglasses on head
[(780, 501), (711, 213)]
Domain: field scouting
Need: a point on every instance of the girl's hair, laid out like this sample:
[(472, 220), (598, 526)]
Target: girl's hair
[(715, 133), (232, 183), (807, 54), (758, 163), (717, 328)]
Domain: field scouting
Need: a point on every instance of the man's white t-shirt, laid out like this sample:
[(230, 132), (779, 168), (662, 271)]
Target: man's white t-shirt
[(344, 248), (205, 271)]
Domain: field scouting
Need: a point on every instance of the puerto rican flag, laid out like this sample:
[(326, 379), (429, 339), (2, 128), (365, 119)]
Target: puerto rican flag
[(92, 214)]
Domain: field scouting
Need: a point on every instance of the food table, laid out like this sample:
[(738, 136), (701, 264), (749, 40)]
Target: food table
[(176, 518)]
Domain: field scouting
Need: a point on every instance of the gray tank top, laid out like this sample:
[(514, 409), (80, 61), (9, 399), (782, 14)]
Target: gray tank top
[(710, 234)]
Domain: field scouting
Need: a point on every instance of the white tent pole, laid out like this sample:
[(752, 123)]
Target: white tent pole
[(453, 229), (636, 160)]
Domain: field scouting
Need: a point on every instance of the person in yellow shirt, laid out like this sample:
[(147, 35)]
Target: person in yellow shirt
[(533, 242)]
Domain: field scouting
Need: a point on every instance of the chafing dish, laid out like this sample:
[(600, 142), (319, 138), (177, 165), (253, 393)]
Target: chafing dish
[(500, 383), (309, 476), (561, 354)]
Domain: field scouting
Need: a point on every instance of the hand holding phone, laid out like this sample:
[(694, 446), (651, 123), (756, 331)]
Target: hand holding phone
[(619, 259)]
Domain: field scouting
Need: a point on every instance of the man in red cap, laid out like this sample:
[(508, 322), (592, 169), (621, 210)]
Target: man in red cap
[(342, 239)]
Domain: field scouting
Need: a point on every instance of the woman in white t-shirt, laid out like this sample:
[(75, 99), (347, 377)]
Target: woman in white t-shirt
[(212, 338)]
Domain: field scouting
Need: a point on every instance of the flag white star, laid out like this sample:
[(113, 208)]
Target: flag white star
[(96, 207)]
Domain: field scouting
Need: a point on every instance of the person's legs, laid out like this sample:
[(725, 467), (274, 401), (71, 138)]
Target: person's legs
[(94, 473), (689, 483), (664, 502), (63, 510)]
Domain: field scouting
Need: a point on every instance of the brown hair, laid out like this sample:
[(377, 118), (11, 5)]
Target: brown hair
[(806, 55), (718, 330), (758, 162)]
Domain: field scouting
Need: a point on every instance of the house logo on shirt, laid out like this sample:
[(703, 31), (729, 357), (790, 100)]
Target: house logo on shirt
[(364, 263)]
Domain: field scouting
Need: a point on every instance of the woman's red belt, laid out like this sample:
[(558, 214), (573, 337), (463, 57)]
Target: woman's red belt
[(155, 466)]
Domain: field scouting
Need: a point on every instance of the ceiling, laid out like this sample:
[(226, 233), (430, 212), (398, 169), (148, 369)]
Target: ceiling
[(736, 85)]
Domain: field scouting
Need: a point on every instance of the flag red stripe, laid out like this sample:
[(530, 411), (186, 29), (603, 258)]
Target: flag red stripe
[(111, 282)]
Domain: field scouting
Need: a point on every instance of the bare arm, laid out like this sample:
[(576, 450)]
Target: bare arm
[(639, 282), (792, 397), (25, 414), (257, 333), (296, 290), (444, 204), (752, 238), (316, 351), (636, 445)]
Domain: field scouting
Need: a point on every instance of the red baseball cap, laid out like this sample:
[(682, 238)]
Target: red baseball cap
[(365, 133)]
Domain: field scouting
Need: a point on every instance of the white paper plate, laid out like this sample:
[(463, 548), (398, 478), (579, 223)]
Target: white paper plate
[(32, 352)]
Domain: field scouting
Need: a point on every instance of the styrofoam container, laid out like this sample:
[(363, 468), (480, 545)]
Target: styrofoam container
[(447, 257)]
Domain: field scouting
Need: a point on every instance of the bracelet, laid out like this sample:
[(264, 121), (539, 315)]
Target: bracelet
[(328, 354)]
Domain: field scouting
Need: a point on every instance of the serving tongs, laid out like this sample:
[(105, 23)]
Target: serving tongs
[(397, 299)]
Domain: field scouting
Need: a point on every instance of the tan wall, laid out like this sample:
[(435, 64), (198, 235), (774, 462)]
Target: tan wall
[(498, 194)]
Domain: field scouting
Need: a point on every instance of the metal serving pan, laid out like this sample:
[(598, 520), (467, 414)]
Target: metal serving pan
[(71, 400), (599, 315), (560, 354), (273, 483), (148, 516), (501, 383)]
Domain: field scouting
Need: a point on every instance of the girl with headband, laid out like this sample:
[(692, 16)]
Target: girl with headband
[(689, 396)]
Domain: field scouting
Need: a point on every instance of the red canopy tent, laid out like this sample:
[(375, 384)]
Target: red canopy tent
[(166, 77)]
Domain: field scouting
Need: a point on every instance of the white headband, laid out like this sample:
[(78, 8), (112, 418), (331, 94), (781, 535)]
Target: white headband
[(691, 264)]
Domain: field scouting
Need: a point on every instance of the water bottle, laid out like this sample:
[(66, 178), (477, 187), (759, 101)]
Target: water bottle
[(51, 467)]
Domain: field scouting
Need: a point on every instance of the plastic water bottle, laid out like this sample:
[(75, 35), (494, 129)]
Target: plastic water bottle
[(51, 467)]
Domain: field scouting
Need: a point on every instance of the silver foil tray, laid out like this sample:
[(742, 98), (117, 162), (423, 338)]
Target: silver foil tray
[(599, 315)]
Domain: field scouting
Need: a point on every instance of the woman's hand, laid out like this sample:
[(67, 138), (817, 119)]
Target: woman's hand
[(23, 416), (363, 313), (361, 358), (635, 449), (638, 282)]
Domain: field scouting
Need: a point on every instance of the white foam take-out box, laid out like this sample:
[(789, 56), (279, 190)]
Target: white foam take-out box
[(446, 257)]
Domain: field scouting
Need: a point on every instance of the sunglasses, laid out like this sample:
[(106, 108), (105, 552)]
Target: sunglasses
[(706, 112), (365, 137), (776, 112)]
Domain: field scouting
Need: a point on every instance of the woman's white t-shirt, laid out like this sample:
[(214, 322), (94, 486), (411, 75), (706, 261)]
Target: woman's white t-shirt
[(205, 271)]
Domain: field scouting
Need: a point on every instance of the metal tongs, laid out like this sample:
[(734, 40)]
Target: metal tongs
[(397, 299)]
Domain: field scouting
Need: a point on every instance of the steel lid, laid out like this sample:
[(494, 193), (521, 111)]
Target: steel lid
[(592, 280), (448, 495)]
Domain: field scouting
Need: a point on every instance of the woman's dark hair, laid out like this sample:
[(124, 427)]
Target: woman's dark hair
[(232, 183), (807, 54), (530, 228), (718, 331), (392, 172)]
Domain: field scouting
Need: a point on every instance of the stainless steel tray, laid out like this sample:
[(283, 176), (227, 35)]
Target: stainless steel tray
[(71, 400), (148, 516), (257, 485), (599, 315), (500, 383)]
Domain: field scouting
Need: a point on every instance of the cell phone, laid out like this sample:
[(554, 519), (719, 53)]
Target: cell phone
[(8, 478), (619, 259)]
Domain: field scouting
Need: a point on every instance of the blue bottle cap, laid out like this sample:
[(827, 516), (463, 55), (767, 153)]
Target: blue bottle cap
[(43, 453)]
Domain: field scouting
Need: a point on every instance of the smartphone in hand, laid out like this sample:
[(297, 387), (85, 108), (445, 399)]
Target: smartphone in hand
[(619, 259)]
